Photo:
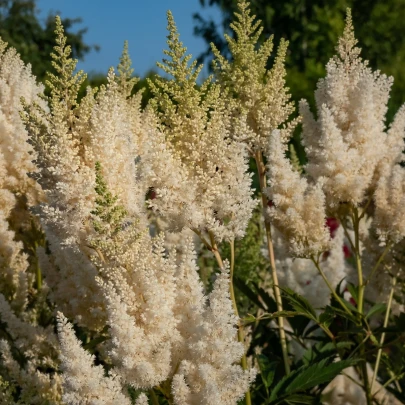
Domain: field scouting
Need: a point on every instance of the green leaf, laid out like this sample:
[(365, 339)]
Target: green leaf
[(300, 399), (327, 316), (278, 314), (339, 311), (309, 330), (244, 289), (249, 318), (376, 309), (308, 377), (267, 298), (321, 351), (300, 304), (338, 288), (267, 370), (374, 340), (318, 374), (350, 306)]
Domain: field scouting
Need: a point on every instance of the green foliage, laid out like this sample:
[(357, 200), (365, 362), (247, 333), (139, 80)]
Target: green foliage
[(65, 84), (321, 351), (125, 77), (300, 304), (307, 377), (338, 331), (317, 368), (21, 28), (109, 215), (295, 162), (312, 29)]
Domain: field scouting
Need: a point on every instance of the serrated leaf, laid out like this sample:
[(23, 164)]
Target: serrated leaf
[(376, 309), (329, 350), (244, 289), (279, 314), (339, 311), (266, 297), (249, 319), (267, 370), (338, 288), (311, 329), (350, 306), (327, 316), (300, 304), (307, 377), (318, 374)]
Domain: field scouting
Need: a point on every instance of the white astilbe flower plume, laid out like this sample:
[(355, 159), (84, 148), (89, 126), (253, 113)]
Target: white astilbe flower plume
[(17, 190), (215, 194), (212, 375), (349, 139), (70, 140), (68, 183), (174, 189), (16, 82), (389, 199), (258, 97), (298, 208), (83, 381), (113, 141), (139, 288), (389, 196), (29, 355)]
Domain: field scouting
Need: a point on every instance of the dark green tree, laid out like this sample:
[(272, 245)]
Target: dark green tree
[(312, 27), (21, 27)]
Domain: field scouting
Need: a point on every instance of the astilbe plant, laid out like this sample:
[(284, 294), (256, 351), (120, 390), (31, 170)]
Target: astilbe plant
[(104, 269), (101, 298), (28, 346), (352, 163)]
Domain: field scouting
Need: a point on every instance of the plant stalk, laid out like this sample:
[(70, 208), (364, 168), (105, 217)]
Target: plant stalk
[(277, 295), (323, 275), (379, 261), (360, 301), (382, 339), (356, 223), (153, 397)]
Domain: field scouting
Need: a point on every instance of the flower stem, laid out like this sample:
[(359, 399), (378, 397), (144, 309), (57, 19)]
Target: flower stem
[(360, 300), (379, 261), (153, 397), (337, 298), (283, 340), (386, 319), (356, 223)]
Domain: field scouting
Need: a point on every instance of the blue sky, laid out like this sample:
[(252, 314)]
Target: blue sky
[(141, 22)]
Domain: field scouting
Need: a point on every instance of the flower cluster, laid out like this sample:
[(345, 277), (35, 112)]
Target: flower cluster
[(101, 292), (210, 191), (104, 269)]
